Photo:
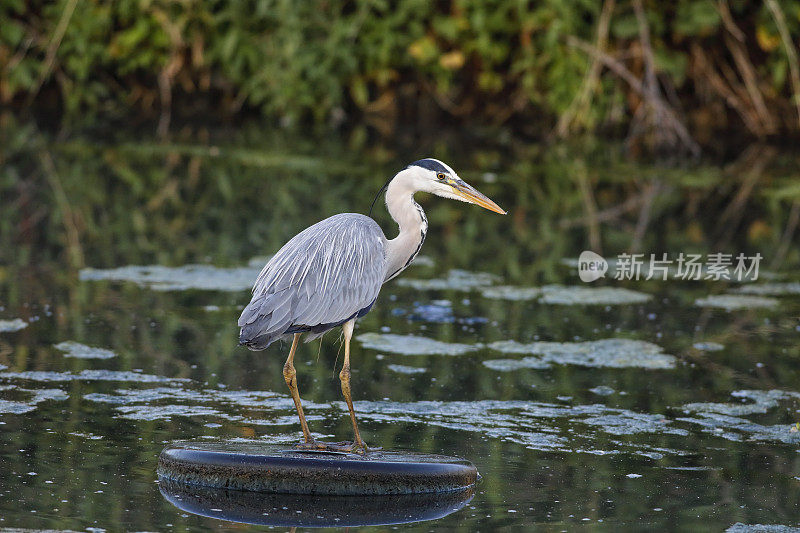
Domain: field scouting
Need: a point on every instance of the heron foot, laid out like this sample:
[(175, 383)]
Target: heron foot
[(360, 447), (311, 444), (341, 447)]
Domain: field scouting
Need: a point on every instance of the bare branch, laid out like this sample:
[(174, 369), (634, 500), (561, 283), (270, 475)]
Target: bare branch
[(748, 74), (584, 97), (791, 53), (727, 20), (53, 47), (671, 121)]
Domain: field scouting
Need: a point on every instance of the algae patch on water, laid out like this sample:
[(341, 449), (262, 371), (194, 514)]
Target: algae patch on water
[(413, 345), (403, 369), (572, 295), (630, 423), (771, 289), (608, 353), (81, 351), (164, 403), (708, 346), (162, 278), (456, 280), (535, 425), (35, 397), (46, 376), (725, 420), (757, 402), (510, 292), (509, 365), (159, 394), (165, 412), (566, 295), (736, 301), (740, 527), (589, 428), (602, 390), (16, 324)]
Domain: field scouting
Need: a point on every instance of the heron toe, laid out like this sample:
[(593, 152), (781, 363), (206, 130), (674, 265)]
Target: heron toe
[(336, 447)]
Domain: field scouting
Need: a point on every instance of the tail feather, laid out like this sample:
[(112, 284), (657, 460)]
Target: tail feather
[(257, 335), (257, 343)]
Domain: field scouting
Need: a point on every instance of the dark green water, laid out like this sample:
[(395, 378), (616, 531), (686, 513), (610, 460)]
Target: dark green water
[(602, 436)]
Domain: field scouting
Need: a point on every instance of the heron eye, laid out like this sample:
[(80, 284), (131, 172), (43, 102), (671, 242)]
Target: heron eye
[(440, 176)]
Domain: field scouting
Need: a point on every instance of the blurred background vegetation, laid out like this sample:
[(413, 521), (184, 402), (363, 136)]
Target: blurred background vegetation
[(153, 122), (669, 76)]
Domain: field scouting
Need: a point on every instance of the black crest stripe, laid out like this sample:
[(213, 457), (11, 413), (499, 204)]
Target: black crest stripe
[(430, 164)]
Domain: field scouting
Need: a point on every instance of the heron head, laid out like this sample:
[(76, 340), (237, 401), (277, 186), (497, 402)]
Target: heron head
[(435, 177)]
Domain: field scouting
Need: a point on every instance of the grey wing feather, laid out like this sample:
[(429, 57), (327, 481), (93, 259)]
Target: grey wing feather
[(323, 276)]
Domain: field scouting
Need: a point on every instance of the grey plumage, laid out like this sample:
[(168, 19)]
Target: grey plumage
[(331, 273), (324, 276)]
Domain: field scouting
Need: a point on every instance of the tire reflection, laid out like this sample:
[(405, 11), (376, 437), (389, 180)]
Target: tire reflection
[(312, 510)]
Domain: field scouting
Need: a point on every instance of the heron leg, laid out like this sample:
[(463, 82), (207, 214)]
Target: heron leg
[(290, 375), (344, 376)]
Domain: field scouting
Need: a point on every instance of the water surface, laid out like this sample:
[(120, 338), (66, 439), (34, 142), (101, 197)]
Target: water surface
[(660, 404)]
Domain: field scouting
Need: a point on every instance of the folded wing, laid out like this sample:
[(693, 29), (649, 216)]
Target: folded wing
[(325, 275)]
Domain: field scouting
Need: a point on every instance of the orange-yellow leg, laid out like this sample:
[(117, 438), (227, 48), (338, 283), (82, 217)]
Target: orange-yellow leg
[(290, 375), (344, 376)]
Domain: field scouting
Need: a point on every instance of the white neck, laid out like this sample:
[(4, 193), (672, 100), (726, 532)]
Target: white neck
[(408, 214)]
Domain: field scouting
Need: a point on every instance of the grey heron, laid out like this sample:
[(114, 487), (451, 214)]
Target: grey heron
[(330, 274)]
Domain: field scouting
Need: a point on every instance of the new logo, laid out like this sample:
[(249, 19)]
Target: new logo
[(591, 266)]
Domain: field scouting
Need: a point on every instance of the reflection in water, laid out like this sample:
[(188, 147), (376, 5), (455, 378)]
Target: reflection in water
[(312, 511)]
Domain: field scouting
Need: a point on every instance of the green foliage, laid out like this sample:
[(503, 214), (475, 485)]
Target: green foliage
[(320, 60), (696, 18)]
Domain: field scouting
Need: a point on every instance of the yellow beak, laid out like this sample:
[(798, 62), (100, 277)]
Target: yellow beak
[(473, 196)]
